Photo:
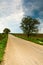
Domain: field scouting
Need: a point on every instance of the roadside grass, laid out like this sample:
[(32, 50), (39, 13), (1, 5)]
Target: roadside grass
[(3, 42), (31, 38)]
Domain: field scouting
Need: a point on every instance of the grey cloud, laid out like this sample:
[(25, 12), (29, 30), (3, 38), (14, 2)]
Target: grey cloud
[(32, 6)]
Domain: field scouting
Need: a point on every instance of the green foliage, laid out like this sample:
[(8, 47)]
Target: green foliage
[(29, 25), (2, 46), (6, 30)]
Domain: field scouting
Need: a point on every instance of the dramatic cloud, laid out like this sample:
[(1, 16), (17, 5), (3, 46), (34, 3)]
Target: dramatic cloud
[(12, 11), (33, 7)]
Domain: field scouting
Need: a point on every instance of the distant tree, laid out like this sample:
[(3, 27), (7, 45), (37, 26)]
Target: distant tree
[(6, 30), (29, 25)]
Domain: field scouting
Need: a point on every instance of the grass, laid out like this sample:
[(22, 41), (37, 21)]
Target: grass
[(3, 42), (31, 38)]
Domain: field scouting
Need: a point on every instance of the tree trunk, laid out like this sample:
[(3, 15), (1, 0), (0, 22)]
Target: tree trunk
[(28, 35)]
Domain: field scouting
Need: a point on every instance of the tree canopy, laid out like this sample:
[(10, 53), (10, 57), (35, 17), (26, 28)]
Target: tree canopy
[(6, 30), (29, 25)]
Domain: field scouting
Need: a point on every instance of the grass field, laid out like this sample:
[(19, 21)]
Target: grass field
[(3, 41), (33, 38)]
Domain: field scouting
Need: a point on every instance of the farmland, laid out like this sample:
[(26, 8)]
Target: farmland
[(36, 38)]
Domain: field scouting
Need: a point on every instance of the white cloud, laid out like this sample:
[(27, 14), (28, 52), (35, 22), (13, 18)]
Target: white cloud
[(41, 25), (6, 8), (11, 15)]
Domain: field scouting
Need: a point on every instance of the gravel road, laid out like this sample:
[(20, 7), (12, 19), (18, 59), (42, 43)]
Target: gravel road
[(22, 52)]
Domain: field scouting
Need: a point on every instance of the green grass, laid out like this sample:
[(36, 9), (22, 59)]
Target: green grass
[(2, 36), (3, 42), (31, 38)]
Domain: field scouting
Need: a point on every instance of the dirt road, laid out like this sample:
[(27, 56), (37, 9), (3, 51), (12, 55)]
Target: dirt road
[(22, 52)]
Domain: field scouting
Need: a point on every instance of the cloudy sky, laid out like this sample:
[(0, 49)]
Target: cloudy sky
[(12, 12)]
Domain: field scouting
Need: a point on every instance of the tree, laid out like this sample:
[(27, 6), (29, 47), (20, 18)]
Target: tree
[(29, 25), (6, 30)]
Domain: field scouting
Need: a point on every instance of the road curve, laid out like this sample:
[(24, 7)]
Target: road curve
[(22, 52)]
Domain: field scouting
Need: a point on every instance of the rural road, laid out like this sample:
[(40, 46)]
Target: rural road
[(22, 52)]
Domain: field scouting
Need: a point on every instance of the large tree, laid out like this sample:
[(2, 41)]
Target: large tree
[(6, 30), (29, 25)]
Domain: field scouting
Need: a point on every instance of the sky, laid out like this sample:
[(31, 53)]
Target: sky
[(12, 12)]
